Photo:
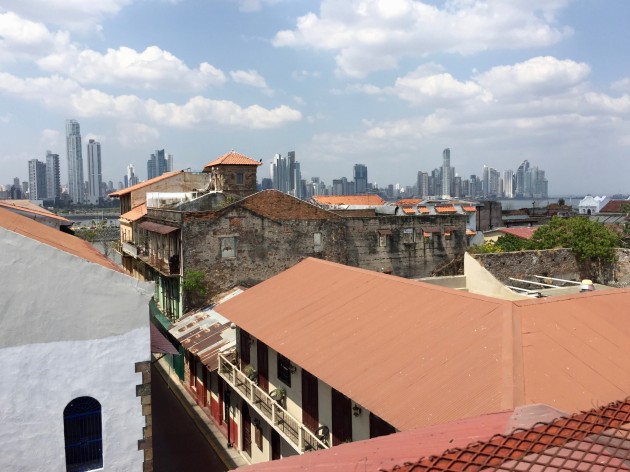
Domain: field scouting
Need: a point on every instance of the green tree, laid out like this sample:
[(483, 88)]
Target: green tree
[(589, 240), (561, 201), (194, 286), (510, 243)]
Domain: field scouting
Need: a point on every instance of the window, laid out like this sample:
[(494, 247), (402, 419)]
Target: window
[(383, 235), (407, 235), (240, 178), (228, 247), (317, 241), (83, 434), (284, 369)]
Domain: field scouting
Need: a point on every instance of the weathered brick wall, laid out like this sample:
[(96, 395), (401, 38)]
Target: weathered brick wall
[(264, 247), (400, 256)]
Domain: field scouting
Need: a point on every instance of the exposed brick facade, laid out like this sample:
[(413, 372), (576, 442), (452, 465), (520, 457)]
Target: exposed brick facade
[(144, 392)]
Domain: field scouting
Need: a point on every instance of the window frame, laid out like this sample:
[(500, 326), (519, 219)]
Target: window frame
[(223, 241), (283, 369)]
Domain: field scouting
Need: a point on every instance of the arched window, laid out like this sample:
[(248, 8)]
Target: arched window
[(83, 434)]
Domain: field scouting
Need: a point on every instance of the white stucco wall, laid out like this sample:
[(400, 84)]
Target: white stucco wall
[(68, 328)]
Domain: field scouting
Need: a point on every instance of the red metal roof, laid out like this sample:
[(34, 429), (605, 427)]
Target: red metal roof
[(408, 201), (423, 209), (521, 232), (157, 228), (614, 206), (416, 354), (468, 208), (409, 210), (140, 185), (52, 237), (232, 158), (28, 207)]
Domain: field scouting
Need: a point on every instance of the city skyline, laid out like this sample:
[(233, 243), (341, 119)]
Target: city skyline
[(386, 84)]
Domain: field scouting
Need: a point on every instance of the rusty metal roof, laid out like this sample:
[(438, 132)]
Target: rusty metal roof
[(52, 237), (140, 185), (280, 206), (135, 213), (416, 354), (232, 158), (205, 333), (157, 228)]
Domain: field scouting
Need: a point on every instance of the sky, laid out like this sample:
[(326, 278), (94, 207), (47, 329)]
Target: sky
[(385, 83)]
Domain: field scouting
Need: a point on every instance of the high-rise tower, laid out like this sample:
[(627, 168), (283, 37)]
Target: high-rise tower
[(75, 161), (447, 174), (95, 177), (360, 178), (53, 180), (36, 179)]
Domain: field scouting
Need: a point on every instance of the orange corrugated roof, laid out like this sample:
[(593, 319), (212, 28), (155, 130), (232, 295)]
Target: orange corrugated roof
[(409, 210), (445, 209), (470, 232), (368, 199), (140, 185), (423, 209), (46, 235), (426, 354), (408, 201), (28, 207), (135, 213), (469, 208), (232, 158), (381, 351)]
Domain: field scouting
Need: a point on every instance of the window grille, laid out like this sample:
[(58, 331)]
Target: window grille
[(83, 434)]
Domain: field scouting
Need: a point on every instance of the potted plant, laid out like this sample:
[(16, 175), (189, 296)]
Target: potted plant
[(250, 372)]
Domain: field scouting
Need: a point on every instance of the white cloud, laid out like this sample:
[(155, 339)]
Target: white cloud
[(50, 138), (254, 5), (25, 39), (64, 94), (248, 77), (622, 85), (77, 15), (370, 35), (300, 75), (132, 135), (539, 75), (151, 68)]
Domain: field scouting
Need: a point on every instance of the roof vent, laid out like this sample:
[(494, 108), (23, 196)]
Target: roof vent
[(587, 286)]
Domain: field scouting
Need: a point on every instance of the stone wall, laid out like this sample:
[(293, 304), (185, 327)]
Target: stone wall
[(559, 263)]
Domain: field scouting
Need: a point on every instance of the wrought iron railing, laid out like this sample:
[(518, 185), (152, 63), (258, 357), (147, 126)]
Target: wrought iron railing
[(298, 435)]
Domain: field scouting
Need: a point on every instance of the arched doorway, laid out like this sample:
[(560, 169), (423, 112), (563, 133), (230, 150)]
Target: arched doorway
[(82, 427)]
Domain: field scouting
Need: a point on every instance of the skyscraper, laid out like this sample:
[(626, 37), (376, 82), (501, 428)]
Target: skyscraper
[(53, 178), (130, 178), (508, 184), (36, 179), (360, 178), (75, 161), (157, 164), (447, 174), (95, 177)]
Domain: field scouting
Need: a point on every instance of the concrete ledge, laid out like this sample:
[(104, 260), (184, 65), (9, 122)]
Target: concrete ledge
[(229, 456)]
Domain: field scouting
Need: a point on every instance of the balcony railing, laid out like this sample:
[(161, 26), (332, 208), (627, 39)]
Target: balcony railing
[(129, 248), (300, 437), (168, 268)]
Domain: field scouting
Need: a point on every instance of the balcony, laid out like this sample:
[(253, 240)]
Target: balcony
[(167, 268), (296, 434), (130, 248)]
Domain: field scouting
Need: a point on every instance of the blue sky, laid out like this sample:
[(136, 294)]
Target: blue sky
[(387, 83)]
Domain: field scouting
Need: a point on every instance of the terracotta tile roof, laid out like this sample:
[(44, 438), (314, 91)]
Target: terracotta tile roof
[(470, 232), (279, 206), (135, 213), (369, 199), (140, 185), (614, 206), (362, 213), (28, 207), (423, 210), (408, 201), (596, 440), (232, 158), (521, 232), (54, 238), (445, 209), (409, 210), (454, 353), (468, 208)]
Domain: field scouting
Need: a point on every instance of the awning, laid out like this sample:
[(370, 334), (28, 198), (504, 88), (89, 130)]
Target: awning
[(450, 229), (159, 343), (157, 228), (205, 333), (385, 232), (431, 229)]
